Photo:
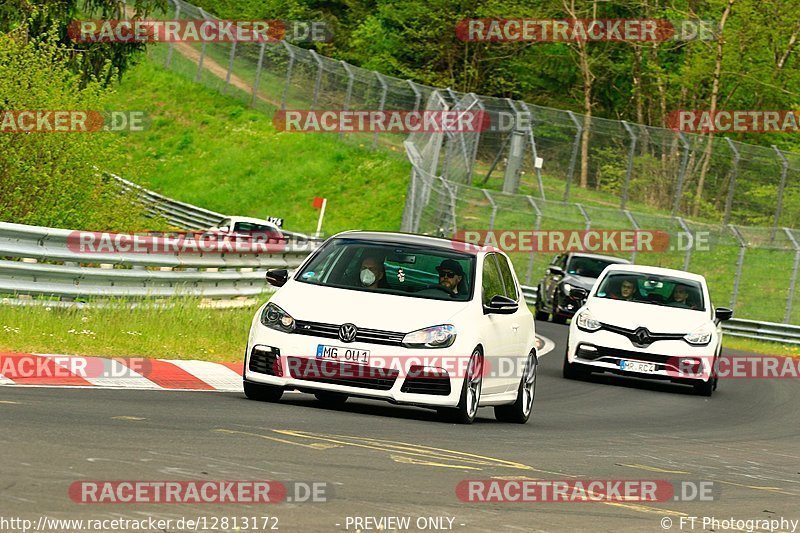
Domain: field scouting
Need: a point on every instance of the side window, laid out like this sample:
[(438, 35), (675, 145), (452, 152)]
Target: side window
[(562, 262), (555, 260), (492, 282), (508, 279)]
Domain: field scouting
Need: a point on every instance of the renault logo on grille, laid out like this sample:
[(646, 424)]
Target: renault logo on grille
[(347, 332), (642, 336)]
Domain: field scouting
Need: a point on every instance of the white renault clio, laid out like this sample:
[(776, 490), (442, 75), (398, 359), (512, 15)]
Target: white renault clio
[(404, 318), (647, 322)]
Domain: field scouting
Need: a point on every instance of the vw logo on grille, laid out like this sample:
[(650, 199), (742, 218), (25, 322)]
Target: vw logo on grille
[(347, 332), (642, 336)]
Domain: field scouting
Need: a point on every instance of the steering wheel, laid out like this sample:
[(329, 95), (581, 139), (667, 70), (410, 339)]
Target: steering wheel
[(440, 287)]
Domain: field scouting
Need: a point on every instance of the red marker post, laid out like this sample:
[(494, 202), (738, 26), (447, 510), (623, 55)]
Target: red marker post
[(320, 203)]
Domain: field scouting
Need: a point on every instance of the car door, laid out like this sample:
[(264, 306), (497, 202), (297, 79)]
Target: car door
[(497, 330), (521, 325)]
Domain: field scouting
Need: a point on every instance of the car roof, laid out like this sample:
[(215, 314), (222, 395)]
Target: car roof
[(251, 220), (643, 269), (617, 260), (409, 239)]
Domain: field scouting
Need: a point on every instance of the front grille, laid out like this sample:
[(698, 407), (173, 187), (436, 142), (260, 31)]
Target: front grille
[(613, 355), (265, 360), (346, 374), (331, 331), (630, 334)]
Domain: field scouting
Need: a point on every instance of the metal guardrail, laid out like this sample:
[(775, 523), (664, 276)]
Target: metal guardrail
[(36, 260), (179, 214), (735, 327)]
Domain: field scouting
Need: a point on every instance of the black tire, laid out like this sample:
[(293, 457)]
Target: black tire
[(704, 388), (262, 393), (573, 370), (520, 411), (470, 393), (331, 399)]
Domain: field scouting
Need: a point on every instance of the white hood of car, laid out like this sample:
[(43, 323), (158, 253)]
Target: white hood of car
[(387, 312), (656, 318)]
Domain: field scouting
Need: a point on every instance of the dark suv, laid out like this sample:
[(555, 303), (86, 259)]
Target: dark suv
[(565, 272)]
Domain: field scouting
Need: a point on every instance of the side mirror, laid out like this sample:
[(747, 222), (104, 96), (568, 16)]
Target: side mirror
[(723, 313), (556, 271), (577, 293), (501, 304), (277, 277), (223, 229)]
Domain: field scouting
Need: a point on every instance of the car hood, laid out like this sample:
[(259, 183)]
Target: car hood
[(370, 310), (656, 318), (579, 281)]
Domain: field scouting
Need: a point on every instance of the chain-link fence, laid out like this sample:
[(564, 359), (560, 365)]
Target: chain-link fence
[(589, 160), (524, 171)]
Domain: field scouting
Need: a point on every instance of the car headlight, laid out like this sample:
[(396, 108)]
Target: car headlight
[(276, 318), (586, 321), (567, 287), (699, 337), (433, 337)]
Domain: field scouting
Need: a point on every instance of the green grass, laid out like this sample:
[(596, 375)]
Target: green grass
[(181, 331), (214, 151)]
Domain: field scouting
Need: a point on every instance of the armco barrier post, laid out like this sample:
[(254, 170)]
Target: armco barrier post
[(384, 91), (317, 79), (739, 263), (289, 69), (349, 93), (171, 44), (629, 169), (779, 207), (258, 72), (202, 51), (636, 228), (790, 297), (230, 68), (732, 185), (536, 226), (681, 174), (688, 256), (532, 140), (574, 156)]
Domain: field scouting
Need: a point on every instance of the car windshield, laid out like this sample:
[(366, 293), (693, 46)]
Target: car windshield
[(250, 227), (590, 267), (652, 289), (403, 270)]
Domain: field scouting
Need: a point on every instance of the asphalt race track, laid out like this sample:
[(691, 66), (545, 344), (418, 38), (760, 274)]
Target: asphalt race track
[(385, 460)]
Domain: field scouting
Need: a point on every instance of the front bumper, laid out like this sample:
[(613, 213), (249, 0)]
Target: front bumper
[(289, 360), (674, 360)]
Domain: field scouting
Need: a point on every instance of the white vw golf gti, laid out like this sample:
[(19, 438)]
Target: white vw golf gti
[(404, 318), (647, 322)]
